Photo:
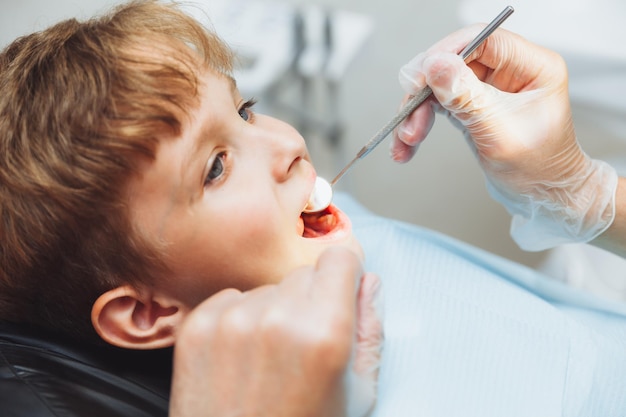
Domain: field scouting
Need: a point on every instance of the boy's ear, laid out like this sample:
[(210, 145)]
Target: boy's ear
[(134, 319)]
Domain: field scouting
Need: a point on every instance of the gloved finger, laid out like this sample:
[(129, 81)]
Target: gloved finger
[(457, 88), (400, 151), (487, 114), (363, 374), (411, 75), (479, 109), (369, 332), (412, 131), (449, 78)]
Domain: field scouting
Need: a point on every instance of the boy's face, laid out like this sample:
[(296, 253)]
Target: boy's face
[(225, 198)]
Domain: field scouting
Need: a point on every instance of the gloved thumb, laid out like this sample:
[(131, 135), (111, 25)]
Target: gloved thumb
[(455, 85), (468, 102), (483, 112), (363, 376), (411, 75)]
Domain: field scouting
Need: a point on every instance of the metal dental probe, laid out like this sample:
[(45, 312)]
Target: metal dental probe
[(422, 95)]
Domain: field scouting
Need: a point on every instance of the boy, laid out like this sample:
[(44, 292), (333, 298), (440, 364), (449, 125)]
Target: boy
[(194, 193), (126, 153)]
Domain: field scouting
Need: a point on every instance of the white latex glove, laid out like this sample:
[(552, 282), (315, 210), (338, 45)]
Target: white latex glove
[(511, 102), (308, 346)]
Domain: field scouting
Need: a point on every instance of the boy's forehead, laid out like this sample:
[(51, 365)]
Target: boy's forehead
[(233, 83), (222, 77)]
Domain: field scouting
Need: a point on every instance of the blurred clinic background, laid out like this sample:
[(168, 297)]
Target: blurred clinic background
[(330, 68)]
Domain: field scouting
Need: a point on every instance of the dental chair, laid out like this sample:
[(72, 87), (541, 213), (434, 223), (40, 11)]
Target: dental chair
[(48, 375)]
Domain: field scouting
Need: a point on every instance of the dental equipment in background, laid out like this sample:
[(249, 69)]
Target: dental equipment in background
[(322, 192)]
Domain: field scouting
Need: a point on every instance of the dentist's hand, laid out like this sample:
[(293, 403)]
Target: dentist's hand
[(283, 350), (511, 102)]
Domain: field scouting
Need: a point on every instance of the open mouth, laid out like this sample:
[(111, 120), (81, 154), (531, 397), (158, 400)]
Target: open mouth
[(320, 224)]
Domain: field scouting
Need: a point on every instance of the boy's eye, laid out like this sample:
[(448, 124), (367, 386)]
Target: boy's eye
[(216, 170), (245, 110)]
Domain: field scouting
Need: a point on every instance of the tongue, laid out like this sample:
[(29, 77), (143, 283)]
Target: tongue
[(318, 224)]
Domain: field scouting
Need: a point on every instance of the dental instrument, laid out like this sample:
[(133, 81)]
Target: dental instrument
[(321, 196), (419, 98)]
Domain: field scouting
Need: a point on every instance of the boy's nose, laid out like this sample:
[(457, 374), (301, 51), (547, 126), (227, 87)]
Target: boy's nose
[(287, 151)]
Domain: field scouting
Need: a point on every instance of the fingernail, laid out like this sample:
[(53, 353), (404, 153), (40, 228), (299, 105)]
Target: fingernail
[(402, 154), (406, 129)]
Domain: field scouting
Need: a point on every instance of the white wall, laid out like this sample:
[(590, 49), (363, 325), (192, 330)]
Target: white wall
[(24, 16)]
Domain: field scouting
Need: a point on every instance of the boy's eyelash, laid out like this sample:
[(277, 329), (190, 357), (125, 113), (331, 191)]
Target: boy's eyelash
[(246, 106), (222, 163), (248, 103)]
